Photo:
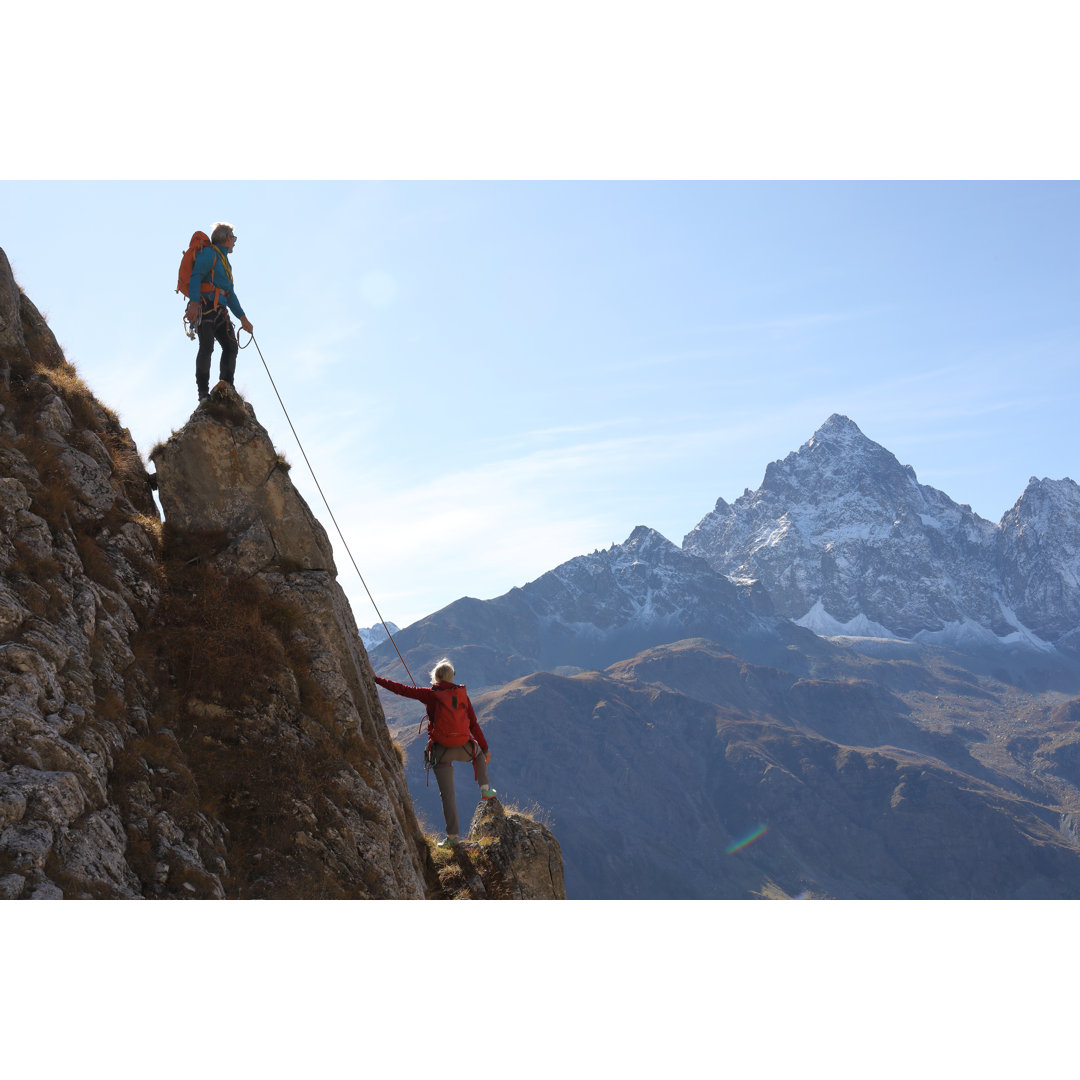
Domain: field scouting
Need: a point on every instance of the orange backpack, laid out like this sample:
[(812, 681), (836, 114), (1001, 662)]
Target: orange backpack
[(199, 240), (450, 722)]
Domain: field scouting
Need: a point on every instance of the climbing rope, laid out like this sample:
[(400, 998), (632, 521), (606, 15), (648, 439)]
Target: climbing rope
[(327, 504)]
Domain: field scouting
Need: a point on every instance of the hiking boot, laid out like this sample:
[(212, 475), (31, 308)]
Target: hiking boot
[(488, 793), (449, 842)]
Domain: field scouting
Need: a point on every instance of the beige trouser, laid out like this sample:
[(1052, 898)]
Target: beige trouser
[(444, 757)]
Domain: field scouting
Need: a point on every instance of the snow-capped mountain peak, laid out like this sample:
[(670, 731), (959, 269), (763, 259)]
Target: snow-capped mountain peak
[(1039, 557), (842, 536), (839, 430), (374, 636)]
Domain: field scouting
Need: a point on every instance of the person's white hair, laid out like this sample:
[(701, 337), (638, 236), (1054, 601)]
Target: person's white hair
[(443, 671), (221, 231)]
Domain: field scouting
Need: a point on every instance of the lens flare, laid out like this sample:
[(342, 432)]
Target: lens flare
[(746, 841)]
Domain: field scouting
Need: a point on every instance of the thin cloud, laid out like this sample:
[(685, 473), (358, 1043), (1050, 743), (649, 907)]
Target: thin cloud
[(785, 324), (807, 321)]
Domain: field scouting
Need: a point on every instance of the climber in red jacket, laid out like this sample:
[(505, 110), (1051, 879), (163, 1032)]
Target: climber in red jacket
[(454, 734)]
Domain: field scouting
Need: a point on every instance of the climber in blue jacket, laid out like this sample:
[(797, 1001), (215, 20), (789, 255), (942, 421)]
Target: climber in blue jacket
[(210, 299)]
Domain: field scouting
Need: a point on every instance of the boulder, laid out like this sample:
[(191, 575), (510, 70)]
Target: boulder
[(516, 856)]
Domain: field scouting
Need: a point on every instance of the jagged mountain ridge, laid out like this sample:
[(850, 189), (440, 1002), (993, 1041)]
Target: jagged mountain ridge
[(591, 611), (1039, 555), (843, 538), (375, 635), (840, 539)]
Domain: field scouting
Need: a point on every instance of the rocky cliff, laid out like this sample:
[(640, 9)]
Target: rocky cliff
[(186, 709)]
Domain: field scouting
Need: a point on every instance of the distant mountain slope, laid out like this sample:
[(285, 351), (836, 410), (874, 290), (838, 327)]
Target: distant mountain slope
[(590, 612)]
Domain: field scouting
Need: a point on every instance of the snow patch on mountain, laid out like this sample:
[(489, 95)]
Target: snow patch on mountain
[(643, 581), (823, 624), (970, 636)]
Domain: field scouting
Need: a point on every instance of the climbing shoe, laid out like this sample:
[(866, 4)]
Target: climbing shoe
[(448, 842), (488, 793)]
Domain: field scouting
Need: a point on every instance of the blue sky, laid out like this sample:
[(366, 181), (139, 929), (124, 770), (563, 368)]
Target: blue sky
[(493, 377)]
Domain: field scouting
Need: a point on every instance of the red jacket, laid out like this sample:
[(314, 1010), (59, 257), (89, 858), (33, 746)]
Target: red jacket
[(427, 696)]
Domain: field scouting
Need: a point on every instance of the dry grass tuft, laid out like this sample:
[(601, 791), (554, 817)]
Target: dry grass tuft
[(153, 527), (95, 562), (67, 382), (531, 812), (53, 494), (399, 750), (37, 567)]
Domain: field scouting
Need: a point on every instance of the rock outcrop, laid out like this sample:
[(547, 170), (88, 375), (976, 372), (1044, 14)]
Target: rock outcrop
[(283, 694), (186, 709), (507, 855)]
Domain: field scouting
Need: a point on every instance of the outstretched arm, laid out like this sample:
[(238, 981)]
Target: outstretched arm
[(417, 693)]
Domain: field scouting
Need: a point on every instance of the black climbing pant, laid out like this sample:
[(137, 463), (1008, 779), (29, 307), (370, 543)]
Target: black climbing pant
[(215, 325)]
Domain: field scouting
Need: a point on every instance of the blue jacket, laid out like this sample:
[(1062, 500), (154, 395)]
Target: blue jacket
[(214, 262)]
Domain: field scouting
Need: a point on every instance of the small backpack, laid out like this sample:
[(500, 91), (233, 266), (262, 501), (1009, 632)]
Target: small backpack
[(199, 240), (450, 720)]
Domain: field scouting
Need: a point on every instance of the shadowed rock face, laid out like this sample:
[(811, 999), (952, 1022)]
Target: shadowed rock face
[(11, 331), (316, 715)]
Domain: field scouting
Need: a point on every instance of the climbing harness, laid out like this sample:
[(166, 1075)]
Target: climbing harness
[(327, 504), (431, 761)]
